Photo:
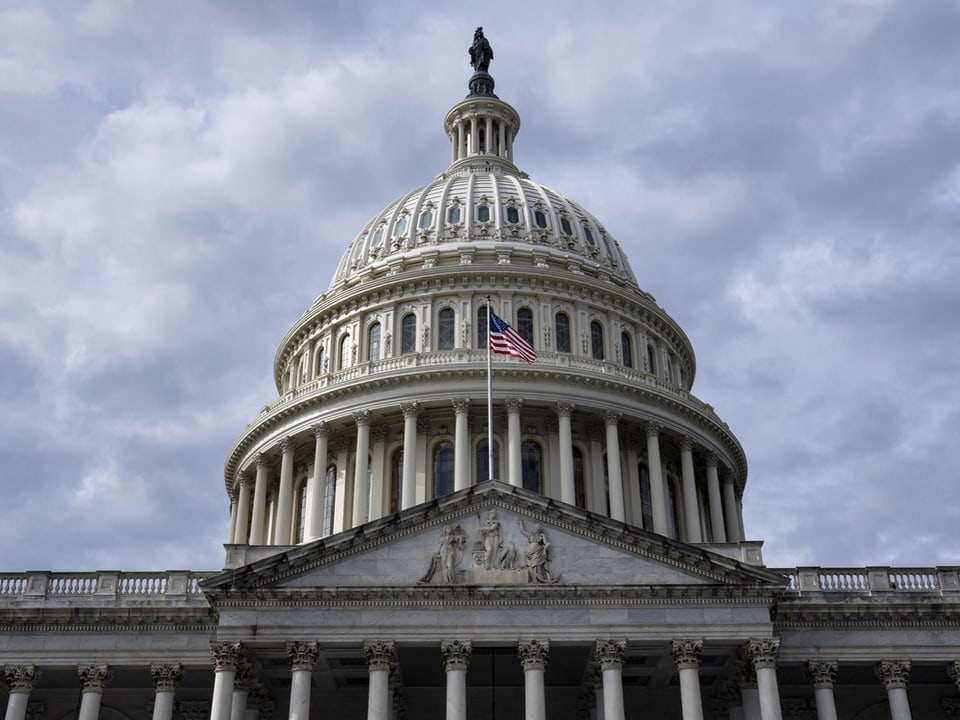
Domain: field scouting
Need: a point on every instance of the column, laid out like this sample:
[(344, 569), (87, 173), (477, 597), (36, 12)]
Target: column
[(894, 675), (474, 136), (303, 656), (716, 506), (686, 654), (243, 509), (502, 137), (749, 696), (763, 652), (21, 679), (658, 491), (533, 659), (380, 658), (514, 469), (822, 675), (458, 151), (609, 653), (166, 678), (614, 478), (409, 490), (317, 487), (456, 659), (568, 490), (488, 136), (93, 679), (281, 535), (691, 507), (379, 475), (461, 444), (242, 683), (234, 495), (226, 657), (257, 534), (730, 510), (361, 477)]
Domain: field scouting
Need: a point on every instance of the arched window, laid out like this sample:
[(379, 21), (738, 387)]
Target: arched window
[(443, 469), (318, 367), (531, 465), (343, 361), (483, 473), (396, 480), (579, 483), (373, 342), (301, 512), (651, 360), (561, 324), (329, 499), (596, 340), (646, 501), (446, 330), (408, 334), (625, 352), (525, 324), (482, 328)]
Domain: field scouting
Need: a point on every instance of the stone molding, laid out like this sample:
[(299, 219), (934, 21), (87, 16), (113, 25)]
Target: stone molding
[(456, 654), (533, 654), (821, 673), (745, 674), (245, 678), (166, 676), (609, 653), (303, 655), (21, 678), (953, 672), (893, 673), (380, 654), (226, 656), (94, 678), (763, 652), (686, 653)]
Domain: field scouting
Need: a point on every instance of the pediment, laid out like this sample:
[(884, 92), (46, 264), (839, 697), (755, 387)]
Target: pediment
[(487, 536)]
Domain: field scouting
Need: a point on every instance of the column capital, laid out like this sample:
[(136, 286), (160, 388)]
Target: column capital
[(763, 652), (953, 672), (893, 673), (226, 656), (303, 655), (533, 654), (378, 433), (611, 417), (244, 479), (166, 676), (456, 654), (513, 405), (362, 418), (410, 410), (610, 653), (564, 409), (261, 460), (822, 673), (286, 444), (746, 674), (94, 678), (244, 679), (380, 654), (460, 405), (21, 678), (320, 429), (653, 429), (712, 460), (686, 653), (686, 443)]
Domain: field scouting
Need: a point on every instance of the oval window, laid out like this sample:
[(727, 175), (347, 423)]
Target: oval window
[(513, 215), (483, 213)]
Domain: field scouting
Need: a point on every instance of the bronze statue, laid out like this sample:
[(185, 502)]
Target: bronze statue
[(480, 52)]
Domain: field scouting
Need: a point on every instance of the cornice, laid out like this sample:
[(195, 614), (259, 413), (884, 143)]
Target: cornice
[(872, 614)]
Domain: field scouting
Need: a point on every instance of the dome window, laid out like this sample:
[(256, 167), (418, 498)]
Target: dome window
[(453, 215), (377, 238), (483, 213), (401, 227), (589, 236), (513, 214), (540, 218), (596, 340), (426, 219), (447, 329), (565, 226)]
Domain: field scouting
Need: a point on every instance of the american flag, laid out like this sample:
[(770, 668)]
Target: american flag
[(507, 341)]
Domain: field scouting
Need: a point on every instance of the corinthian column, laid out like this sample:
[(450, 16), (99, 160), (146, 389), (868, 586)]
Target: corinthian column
[(243, 509), (456, 659), (461, 446), (226, 657), (731, 512), (716, 505), (93, 679), (658, 491), (686, 654), (380, 656), (165, 678), (257, 524), (317, 485), (242, 683), (408, 491), (568, 490), (609, 653), (614, 477), (749, 696), (21, 679), (533, 659), (361, 478), (894, 675), (303, 656), (285, 496), (514, 468), (763, 652), (823, 674), (690, 505)]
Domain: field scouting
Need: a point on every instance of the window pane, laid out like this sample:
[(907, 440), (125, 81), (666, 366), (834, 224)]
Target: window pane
[(625, 350), (482, 327), (525, 324), (396, 480), (646, 503), (453, 215), (588, 235), (530, 465), (565, 226), (409, 334), (562, 328), (443, 469), (446, 332), (540, 219), (596, 340), (483, 213), (513, 215), (482, 472), (374, 342), (344, 359), (426, 219), (400, 227)]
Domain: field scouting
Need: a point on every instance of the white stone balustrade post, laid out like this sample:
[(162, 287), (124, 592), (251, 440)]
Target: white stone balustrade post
[(609, 653), (408, 491), (611, 420), (763, 652), (241, 528), (303, 656), (166, 677), (894, 674), (93, 679), (317, 485), (514, 468), (259, 517), (380, 656), (20, 679), (533, 659), (456, 660), (658, 490), (714, 498), (281, 535), (823, 675), (686, 655), (361, 476), (461, 444), (690, 505), (226, 658), (568, 490)]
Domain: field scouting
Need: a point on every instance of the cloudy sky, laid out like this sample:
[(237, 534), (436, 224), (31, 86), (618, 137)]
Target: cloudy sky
[(179, 179)]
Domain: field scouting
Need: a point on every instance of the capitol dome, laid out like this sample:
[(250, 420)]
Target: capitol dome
[(383, 382)]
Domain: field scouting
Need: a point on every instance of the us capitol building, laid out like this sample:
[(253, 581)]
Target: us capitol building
[(380, 566)]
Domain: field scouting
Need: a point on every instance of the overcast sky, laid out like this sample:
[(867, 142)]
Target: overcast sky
[(178, 180)]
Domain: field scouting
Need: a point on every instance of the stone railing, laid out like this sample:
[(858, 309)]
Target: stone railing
[(871, 579), (105, 585)]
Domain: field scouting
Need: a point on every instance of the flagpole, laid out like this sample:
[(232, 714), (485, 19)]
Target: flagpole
[(489, 398)]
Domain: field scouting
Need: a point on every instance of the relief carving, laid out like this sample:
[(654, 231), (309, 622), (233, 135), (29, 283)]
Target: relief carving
[(445, 562)]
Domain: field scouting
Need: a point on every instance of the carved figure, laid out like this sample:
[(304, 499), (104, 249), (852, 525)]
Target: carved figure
[(490, 534), (447, 558), (537, 554), (480, 52)]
